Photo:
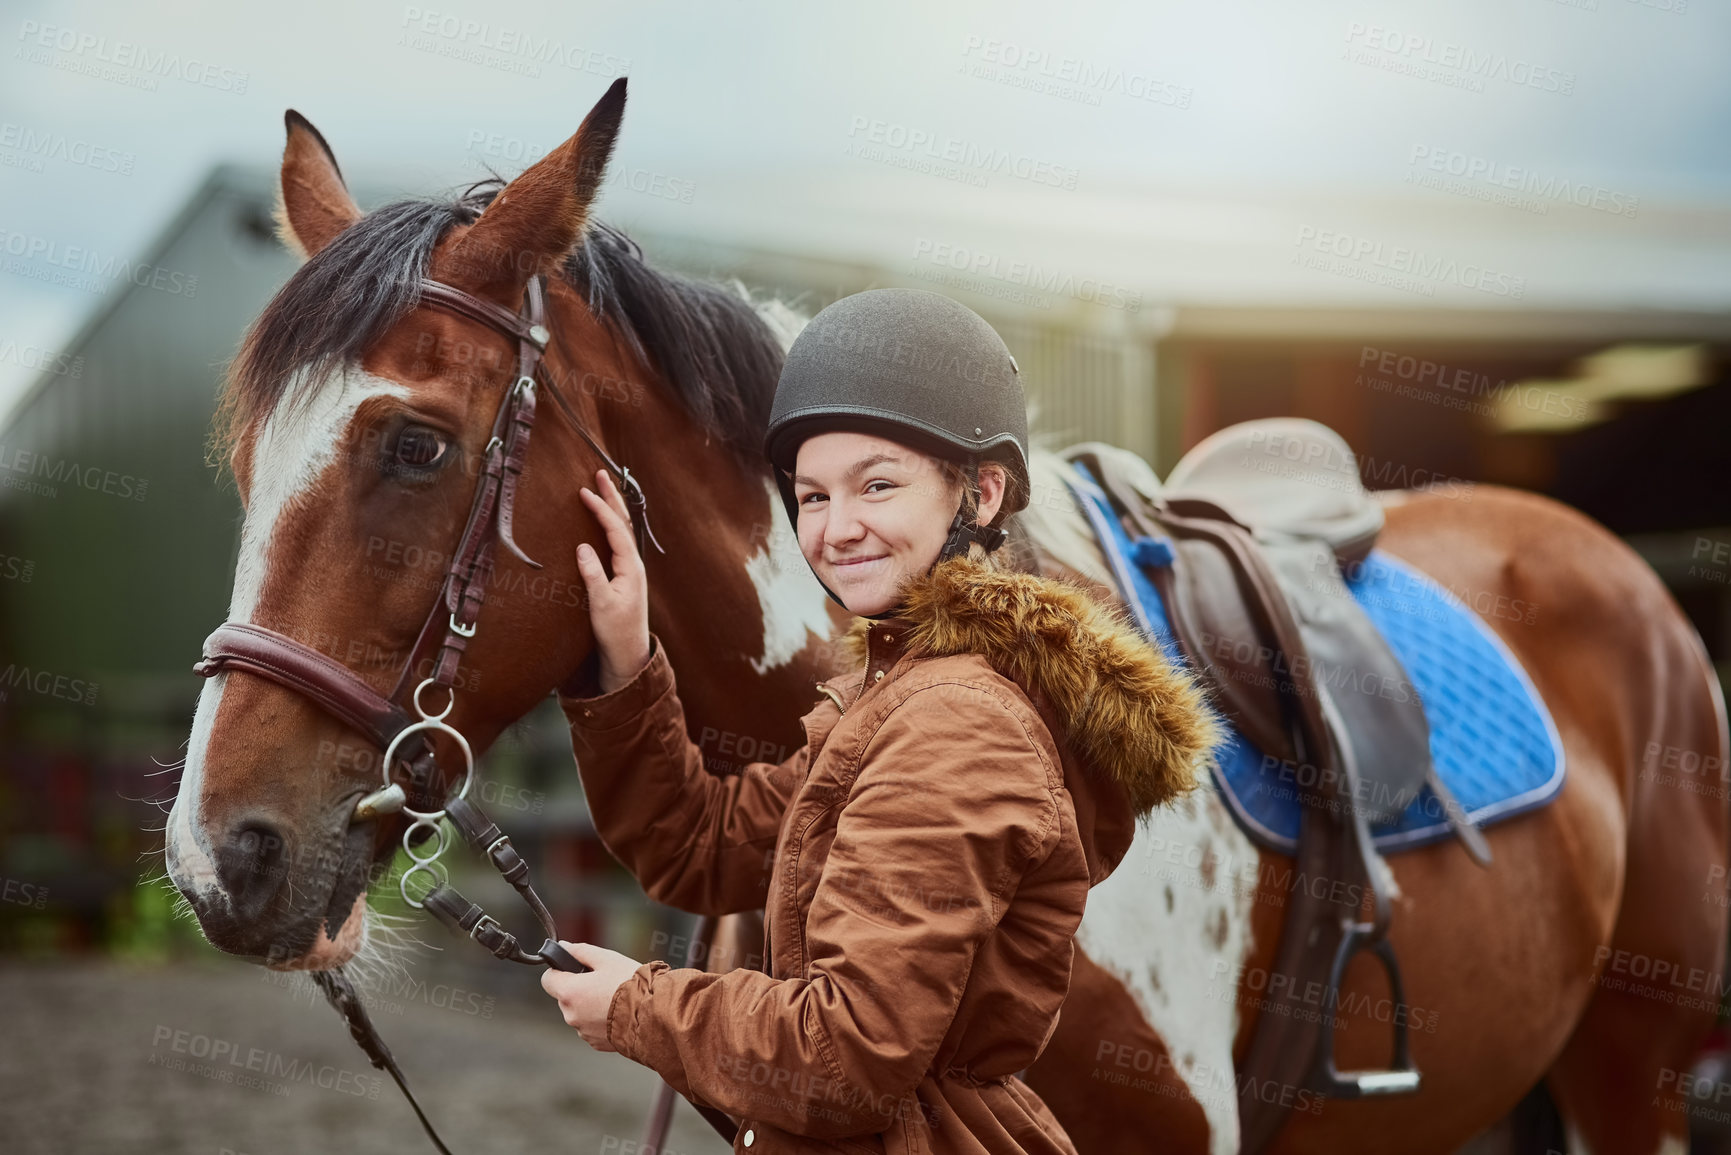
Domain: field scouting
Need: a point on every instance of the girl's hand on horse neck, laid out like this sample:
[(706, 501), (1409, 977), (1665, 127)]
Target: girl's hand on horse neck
[(618, 606), (585, 999)]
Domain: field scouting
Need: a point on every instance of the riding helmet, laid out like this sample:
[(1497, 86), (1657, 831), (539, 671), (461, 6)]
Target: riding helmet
[(914, 367)]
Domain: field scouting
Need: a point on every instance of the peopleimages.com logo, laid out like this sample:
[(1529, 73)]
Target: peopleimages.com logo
[(47, 684), (926, 150), (1445, 62), (76, 266), (26, 464), (41, 360), (1482, 178), (1067, 77), (501, 45), (1025, 277), (23, 146), (96, 55), (1404, 264)]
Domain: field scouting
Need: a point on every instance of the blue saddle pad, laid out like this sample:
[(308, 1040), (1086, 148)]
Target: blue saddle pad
[(1492, 740)]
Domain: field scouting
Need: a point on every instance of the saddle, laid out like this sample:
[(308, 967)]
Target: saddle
[(1246, 544)]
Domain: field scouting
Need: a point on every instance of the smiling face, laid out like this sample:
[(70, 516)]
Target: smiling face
[(874, 513)]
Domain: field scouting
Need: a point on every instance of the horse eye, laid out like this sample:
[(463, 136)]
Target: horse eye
[(419, 447)]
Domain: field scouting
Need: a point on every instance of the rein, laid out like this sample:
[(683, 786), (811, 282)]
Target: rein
[(340, 692)]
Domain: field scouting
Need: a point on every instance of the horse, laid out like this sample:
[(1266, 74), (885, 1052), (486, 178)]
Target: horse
[(352, 420)]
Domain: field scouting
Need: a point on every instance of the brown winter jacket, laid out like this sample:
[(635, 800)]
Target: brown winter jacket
[(923, 863)]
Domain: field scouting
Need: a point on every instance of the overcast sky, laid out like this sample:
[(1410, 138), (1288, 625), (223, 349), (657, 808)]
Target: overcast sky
[(793, 124)]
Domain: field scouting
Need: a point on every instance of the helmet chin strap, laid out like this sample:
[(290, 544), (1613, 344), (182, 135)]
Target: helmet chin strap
[(964, 531)]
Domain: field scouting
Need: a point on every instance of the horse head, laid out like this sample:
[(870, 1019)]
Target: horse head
[(355, 421)]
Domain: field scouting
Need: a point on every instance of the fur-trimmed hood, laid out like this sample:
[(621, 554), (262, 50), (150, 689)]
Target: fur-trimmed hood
[(1125, 710)]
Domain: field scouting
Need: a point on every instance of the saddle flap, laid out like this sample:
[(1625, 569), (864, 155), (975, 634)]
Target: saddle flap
[(1212, 614), (1374, 714)]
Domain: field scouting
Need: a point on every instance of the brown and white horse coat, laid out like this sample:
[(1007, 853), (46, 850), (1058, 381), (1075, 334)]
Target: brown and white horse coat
[(1508, 959)]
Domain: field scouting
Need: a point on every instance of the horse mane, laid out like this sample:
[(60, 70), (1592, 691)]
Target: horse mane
[(706, 341)]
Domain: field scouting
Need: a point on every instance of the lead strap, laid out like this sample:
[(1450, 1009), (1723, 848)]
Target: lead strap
[(341, 994)]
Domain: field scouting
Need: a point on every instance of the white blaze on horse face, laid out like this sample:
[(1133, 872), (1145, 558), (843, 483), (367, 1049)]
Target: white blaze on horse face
[(294, 449), (788, 594), (1173, 924)]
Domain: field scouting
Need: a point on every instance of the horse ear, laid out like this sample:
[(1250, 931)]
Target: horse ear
[(537, 218), (313, 203)]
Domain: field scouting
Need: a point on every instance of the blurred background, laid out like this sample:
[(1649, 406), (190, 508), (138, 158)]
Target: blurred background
[(1487, 242)]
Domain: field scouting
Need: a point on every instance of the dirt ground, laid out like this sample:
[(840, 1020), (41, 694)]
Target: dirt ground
[(223, 1058), (217, 1057)]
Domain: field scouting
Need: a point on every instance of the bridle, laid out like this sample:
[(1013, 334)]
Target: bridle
[(344, 694), (340, 692), (336, 688)]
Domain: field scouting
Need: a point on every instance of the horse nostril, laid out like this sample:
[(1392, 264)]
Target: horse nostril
[(250, 867)]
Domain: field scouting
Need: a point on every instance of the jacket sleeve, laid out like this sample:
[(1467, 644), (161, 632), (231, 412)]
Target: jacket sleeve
[(952, 805), (698, 841)]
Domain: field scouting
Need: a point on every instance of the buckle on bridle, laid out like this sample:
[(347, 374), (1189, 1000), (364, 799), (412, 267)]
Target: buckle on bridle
[(638, 503)]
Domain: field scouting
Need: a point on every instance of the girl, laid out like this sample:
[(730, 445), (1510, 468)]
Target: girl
[(923, 861)]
